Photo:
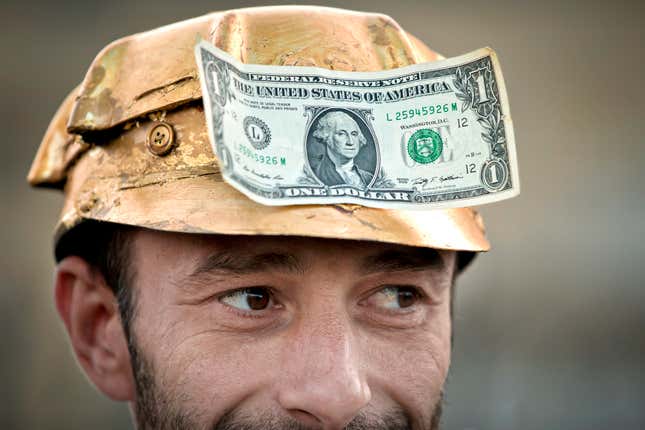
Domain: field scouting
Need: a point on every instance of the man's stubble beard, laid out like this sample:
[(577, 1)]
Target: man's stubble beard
[(156, 410)]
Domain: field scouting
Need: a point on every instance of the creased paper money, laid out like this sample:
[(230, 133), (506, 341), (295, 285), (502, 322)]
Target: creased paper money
[(429, 135)]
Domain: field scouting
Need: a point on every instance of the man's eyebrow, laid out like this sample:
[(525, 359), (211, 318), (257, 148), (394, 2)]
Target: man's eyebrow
[(395, 260), (235, 263)]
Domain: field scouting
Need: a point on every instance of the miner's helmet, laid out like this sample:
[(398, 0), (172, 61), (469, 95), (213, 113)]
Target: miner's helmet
[(130, 144)]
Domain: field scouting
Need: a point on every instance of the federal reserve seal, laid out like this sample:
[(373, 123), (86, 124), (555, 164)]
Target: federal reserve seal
[(257, 132), (425, 146)]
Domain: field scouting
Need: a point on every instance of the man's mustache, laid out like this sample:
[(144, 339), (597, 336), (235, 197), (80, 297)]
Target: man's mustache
[(393, 420)]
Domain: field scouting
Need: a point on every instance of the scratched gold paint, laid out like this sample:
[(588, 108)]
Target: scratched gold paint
[(95, 147)]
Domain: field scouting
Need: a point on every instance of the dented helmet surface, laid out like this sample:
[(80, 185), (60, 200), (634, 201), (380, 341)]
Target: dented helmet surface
[(130, 144)]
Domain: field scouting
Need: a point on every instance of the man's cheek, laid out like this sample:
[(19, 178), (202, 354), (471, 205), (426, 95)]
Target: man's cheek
[(415, 358), (214, 370), (411, 364), (417, 382)]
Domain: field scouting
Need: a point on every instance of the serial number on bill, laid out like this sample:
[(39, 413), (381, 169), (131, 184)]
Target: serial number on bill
[(271, 160), (421, 111)]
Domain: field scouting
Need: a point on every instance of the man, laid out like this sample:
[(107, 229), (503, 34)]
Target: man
[(205, 310), (342, 138)]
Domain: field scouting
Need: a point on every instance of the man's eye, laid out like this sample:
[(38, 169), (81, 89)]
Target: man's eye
[(395, 297), (248, 299)]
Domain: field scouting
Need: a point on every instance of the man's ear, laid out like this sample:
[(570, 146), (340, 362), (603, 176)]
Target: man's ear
[(90, 312)]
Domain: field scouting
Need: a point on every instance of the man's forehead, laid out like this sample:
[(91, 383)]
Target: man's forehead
[(208, 252)]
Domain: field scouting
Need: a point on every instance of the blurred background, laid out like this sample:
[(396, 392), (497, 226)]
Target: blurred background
[(549, 325)]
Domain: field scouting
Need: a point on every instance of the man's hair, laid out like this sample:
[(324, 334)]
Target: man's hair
[(327, 125), (107, 247)]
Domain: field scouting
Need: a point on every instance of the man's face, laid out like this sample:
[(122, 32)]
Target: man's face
[(345, 140), (288, 333)]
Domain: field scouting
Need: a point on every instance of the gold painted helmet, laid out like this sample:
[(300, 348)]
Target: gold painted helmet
[(130, 144)]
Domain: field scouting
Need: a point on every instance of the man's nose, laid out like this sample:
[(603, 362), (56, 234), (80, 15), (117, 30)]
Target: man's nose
[(321, 382)]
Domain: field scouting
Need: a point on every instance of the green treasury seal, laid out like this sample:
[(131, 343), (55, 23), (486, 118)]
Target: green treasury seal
[(425, 146)]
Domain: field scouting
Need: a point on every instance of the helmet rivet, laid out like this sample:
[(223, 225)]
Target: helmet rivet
[(161, 139)]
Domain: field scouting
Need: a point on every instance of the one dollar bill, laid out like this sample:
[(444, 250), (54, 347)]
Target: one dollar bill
[(429, 135)]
